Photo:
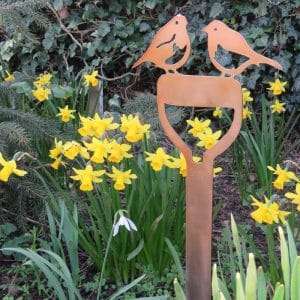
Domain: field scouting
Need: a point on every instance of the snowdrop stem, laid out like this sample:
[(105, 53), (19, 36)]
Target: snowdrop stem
[(105, 257)]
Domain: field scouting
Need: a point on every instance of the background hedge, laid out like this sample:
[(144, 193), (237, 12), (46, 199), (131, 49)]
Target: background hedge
[(71, 35)]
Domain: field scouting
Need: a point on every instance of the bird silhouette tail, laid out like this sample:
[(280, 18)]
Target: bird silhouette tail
[(268, 61)]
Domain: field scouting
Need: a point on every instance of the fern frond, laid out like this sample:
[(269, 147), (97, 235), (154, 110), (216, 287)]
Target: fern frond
[(13, 133), (16, 16), (38, 126)]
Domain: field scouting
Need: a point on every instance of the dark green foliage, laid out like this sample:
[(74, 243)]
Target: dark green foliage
[(17, 17), (25, 137), (38, 126), (115, 33)]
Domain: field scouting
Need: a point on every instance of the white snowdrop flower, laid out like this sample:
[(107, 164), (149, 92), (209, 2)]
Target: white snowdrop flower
[(123, 221)]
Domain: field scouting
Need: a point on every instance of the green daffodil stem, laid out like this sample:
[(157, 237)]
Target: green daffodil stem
[(105, 259)]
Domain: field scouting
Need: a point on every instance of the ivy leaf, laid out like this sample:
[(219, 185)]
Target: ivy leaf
[(262, 41), (6, 229), (62, 92), (22, 87), (216, 10), (150, 4), (58, 4), (144, 27), (103, 29)]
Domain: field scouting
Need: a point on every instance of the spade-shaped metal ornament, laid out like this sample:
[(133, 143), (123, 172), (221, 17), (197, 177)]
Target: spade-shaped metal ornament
[(174, 88)]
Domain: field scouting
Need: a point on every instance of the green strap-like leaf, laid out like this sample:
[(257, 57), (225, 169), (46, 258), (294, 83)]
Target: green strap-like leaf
[(285, 263), (279, 292), (127, 287), (251, 279), (261, 285), (179, 293), (214, 284), (295, 280), (240, 294)]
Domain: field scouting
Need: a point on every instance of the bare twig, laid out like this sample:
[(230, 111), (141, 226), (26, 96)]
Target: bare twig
[(63, 27), (103, 77), (26, 218), (290, 162)]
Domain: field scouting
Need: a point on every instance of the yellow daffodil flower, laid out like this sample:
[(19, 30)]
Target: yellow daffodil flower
[(73, 148), (9, 77), (247, 113), (91, 79), (41, 93), (57, 163), (218, 113), (57, 150), (180, 163), (277, 87), (295, 197), (87, 177), (283, 177), (246, 96), (198, 126), (278, 107), (66, 114), (133, 129), (217, 170), (159, 159), (267, 212), (56, 154), (43, 80), (96, 127), (9, 168), (87, 128), (121, 178), (118, 152), (99, 148), (209, 139)]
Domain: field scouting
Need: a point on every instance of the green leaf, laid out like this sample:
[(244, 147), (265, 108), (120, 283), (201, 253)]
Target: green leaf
[(215, 286), (179, 293), (216, 10), (240, 294), (6, 229), (53, 281), (285, 263), (295, 280), (237, 245), (103, 29), (62, 92), (176, 259), (279, 292), (144, 26), (261, 285), (136, 251), (251, 279), (150, 3), (22, 87), (291, 245), (127, 287)]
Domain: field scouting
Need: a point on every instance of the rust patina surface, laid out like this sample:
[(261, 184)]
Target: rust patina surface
[(174, 88)]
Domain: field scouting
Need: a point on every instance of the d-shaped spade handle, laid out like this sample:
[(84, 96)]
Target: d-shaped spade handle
[(199, 91)]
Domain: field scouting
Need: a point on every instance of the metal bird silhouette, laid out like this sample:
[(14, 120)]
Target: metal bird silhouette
[(219, 34), (163, 46)]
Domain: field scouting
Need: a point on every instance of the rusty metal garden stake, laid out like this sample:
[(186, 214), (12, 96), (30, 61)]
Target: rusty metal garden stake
[(178, 89)]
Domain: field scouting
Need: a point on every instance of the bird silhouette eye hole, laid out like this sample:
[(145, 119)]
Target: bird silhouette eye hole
[(215, 29), (176, 22)]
